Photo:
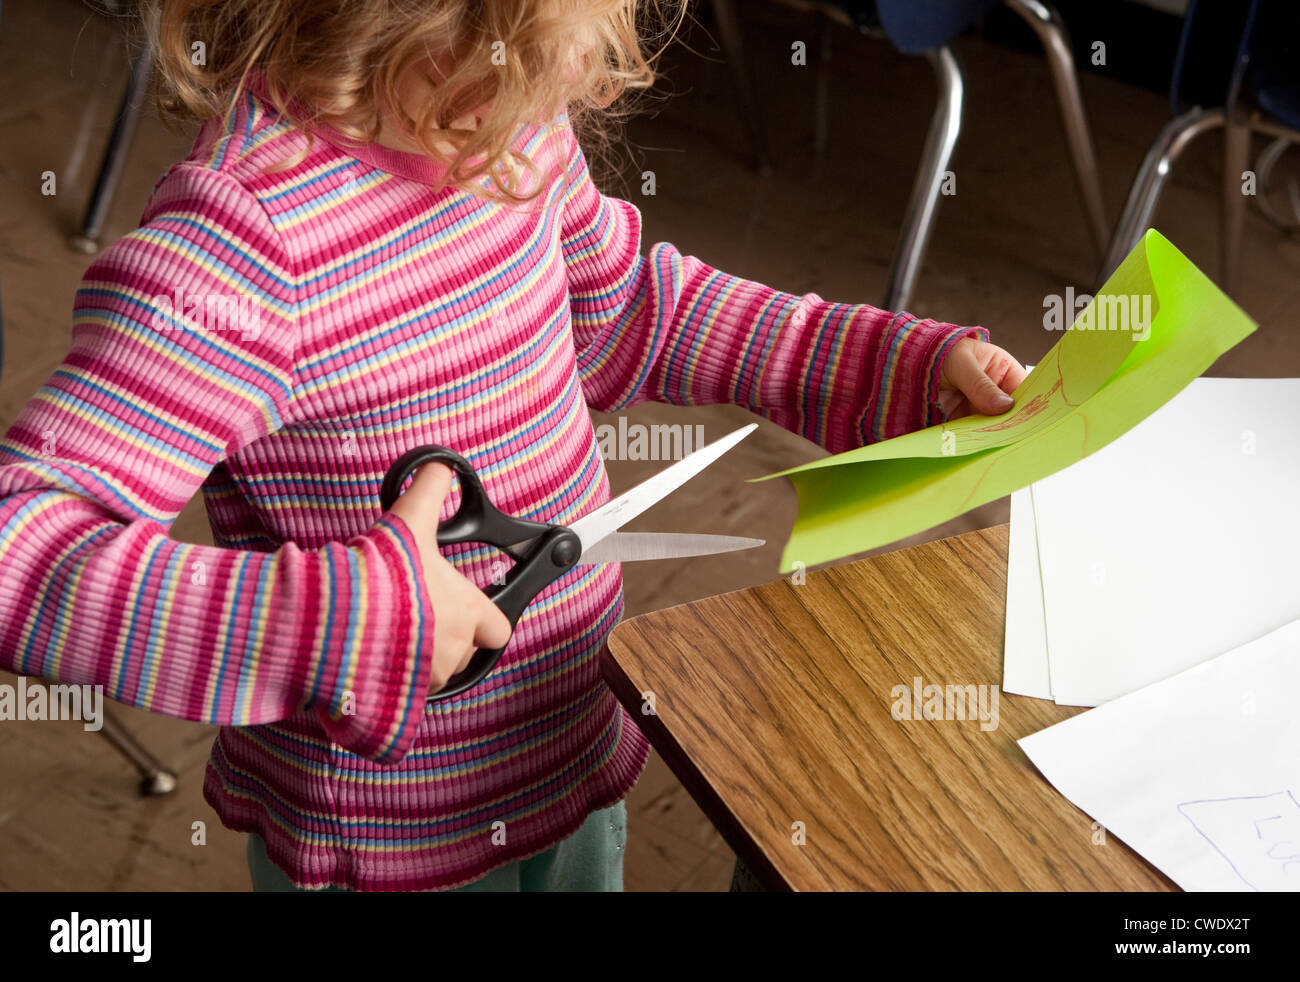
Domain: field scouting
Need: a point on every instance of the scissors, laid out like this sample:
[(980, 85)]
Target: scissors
[(543, 552)]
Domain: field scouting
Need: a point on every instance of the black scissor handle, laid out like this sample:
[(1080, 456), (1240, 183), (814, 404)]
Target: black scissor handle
[(550, 557), (553, 551), (476, 519)]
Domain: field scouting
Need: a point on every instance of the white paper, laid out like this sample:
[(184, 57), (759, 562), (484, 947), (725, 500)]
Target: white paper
[(1175, 543), (1024, 665), (1200, 773)]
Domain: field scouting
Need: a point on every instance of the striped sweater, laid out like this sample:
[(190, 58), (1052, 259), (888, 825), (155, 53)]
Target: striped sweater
[(276, 337)]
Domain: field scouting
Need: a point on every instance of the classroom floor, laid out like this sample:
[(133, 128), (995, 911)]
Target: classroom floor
[(70, 817)]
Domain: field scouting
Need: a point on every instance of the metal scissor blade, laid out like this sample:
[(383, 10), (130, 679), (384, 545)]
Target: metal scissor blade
[(631, 547), (613, 515)]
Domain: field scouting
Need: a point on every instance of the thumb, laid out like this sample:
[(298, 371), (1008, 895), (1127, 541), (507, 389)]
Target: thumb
[(420, 506), (493, 629), (968, 377), (988, 398)]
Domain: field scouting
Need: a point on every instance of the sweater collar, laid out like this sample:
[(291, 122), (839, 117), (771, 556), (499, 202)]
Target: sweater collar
[(413, 166)]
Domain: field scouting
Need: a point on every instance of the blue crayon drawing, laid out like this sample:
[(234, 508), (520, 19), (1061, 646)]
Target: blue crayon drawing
[(1258, 836)]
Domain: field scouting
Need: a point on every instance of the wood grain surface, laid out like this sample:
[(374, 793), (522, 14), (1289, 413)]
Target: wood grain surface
[(776, 705)]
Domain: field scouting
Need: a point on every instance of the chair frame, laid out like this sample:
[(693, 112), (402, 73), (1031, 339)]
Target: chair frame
[(1240, 122), (86, 238), (945, 129), (1239, 125)]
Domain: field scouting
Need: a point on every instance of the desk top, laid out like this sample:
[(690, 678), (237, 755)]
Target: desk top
[(776, 705)]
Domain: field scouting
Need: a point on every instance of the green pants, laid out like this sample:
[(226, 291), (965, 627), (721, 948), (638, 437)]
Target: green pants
[(590, 860)]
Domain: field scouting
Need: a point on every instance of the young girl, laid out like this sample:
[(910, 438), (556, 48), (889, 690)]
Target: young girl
[(386, 236)]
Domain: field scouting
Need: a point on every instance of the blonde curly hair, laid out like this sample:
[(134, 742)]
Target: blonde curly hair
[(502, 65)]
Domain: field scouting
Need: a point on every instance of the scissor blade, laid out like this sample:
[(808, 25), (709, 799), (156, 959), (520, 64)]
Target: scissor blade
[(613, 515), (631, 547)]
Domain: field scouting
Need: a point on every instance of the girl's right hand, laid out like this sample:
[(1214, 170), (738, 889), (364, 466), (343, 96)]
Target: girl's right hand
[(463, 617)]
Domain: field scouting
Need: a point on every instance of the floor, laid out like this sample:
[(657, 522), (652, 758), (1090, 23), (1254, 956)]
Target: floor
[(1013, 234)]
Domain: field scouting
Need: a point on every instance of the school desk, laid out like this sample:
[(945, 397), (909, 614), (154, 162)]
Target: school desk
[(775, 707)]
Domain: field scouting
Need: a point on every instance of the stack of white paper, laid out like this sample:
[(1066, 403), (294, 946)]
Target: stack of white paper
[(1200, 773), (1176, 543)]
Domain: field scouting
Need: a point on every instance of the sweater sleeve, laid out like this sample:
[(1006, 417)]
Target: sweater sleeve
[(669, 328), (182, 353)]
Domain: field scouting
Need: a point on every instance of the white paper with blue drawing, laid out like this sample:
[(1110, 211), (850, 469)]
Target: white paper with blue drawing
[(1200, 773)]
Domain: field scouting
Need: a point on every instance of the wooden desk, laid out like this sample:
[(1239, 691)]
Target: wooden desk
[(773, 706)]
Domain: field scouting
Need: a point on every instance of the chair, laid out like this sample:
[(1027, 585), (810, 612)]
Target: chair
[(1234, 71), (86, 239), (155, 779), (927, 27)]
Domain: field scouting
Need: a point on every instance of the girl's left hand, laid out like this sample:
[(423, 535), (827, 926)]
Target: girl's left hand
[(978, 377)]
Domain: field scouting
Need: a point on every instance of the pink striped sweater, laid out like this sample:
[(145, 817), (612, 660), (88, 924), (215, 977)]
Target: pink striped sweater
[(276, 339)]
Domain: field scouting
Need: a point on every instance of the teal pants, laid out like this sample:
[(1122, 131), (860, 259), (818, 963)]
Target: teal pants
[(590, 860)]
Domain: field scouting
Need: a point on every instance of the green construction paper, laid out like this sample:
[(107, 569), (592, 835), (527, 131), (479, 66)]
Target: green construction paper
[(849, 504), (1079, 364)]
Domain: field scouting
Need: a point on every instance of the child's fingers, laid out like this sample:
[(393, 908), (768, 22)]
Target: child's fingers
[(968, 376), (420, 506), (431, 483), (493, 630), (1009, 373)]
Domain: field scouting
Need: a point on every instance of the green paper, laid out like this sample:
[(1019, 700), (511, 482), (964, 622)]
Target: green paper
[(1107, 374)]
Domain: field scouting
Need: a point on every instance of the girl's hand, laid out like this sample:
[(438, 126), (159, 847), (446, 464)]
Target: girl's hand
[(978, 377), (463, 617)]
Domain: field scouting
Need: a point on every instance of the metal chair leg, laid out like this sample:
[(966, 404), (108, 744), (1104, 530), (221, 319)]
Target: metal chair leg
[(119, 143), (1150, 181), (155, 778), (1264, 164), (918, 221), (1049, 27), (1236, 154), (734, 48)]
